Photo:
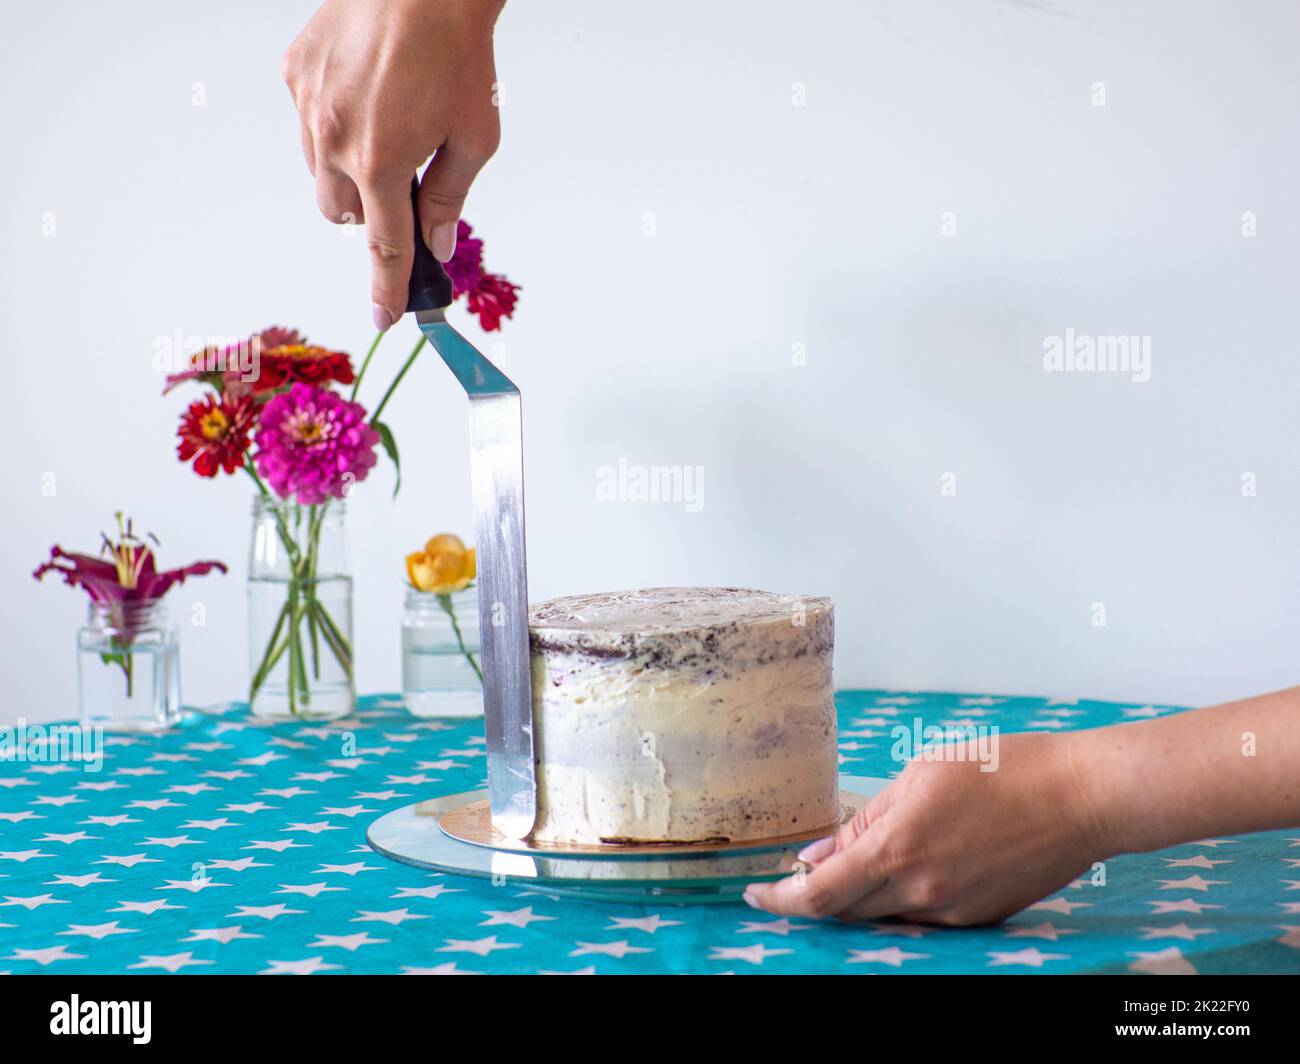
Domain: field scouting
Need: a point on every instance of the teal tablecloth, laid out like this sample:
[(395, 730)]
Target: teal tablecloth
[(231, 846)]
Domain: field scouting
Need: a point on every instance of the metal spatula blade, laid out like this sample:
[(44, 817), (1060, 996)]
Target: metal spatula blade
[(497, 474)]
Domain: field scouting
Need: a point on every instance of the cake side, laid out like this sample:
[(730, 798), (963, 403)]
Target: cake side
[(652, 728)]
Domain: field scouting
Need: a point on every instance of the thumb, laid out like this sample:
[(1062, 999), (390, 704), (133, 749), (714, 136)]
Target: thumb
[(443, 190), (856, 826)]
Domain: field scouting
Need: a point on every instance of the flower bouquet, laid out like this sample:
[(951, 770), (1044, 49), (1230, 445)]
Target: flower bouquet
[(285, 413), (126, 623)]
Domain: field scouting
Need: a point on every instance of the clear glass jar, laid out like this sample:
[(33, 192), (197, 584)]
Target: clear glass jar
[(299, 611), (128, 667), (441, 674)]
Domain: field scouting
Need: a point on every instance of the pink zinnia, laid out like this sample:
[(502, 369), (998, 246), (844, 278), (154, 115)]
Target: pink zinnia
[(313, 444)]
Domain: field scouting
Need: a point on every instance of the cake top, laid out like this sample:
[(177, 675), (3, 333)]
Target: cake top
[(655, 611)]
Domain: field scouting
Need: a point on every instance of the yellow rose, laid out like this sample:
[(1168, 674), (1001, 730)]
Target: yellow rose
[(444, 566)]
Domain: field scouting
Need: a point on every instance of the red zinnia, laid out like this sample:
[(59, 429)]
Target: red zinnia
[(214, 432), (492, 299), (301, 363)]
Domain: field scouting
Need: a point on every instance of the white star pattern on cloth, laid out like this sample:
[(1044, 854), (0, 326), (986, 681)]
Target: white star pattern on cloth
[(219, 934), (1190, 883), (348, 942), (1175, 931), (309, 966), (480, 946), (72, 837), (111, 821), (782, 926), (310, 890), (204, 799), (348, 810), (649, 924), (192, 885), (98, 931), (755, 954), (315, 828), (90, 879), (247, 807), (1199, 861), (1291, 937), (241, 865), (393, 916), (1047, 931), (146, 907), (348, 869), (1186, 905), (1162, 962), (266, 912), (517, 918), (1030, 958), (46, 956), (892, 956), (426, 892), (172, 842), (278, 847), (1142, 711)]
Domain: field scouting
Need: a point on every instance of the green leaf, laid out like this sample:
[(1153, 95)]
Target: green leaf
[(390, 446)]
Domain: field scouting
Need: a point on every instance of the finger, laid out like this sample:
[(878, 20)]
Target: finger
[(337, 197), (840, 881), (443, 190), (389, 229)]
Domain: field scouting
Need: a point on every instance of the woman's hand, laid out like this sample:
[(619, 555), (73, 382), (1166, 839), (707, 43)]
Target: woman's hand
[(381, 85), (947, 843)]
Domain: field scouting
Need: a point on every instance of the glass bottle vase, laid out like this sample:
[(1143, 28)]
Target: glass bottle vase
[(441, 664), (299, 611), (128, 667)]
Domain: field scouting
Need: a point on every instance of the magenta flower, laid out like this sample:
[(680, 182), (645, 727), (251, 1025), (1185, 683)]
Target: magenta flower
[(313, 444), (126, 575), (465, 266)]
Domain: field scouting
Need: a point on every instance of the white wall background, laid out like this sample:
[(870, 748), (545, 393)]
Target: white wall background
[(775, 225)]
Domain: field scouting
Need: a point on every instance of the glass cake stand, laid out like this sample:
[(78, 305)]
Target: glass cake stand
[(697, 874)]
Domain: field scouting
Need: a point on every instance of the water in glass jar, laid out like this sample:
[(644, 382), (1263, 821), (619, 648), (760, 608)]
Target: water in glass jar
[(328, 690)]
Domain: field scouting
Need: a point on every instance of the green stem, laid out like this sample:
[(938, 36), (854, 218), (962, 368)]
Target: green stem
[(449, 607), (410, 361), (275, 648), (365, 365)]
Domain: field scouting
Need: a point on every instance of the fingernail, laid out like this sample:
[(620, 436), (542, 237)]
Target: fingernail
[(750, 900), (383, 320), (442, 241), (816, 851)]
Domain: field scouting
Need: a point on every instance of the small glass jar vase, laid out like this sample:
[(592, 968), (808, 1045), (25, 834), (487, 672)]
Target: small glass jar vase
[(300, 611), (441, 674), (128, 667)]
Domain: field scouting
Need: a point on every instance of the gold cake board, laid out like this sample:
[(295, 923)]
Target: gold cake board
[(694, 873), (472, 823)]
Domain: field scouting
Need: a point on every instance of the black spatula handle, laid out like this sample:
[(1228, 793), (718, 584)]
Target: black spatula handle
[(431, 288)]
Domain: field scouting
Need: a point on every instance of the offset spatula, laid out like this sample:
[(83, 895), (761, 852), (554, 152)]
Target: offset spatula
[(497, 472)]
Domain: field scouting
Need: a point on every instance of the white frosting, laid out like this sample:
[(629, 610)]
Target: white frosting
[(682, 714)]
